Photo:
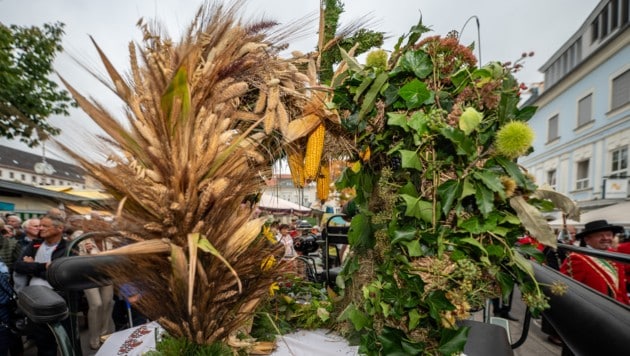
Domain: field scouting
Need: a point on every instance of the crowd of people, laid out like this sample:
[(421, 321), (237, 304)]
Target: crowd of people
[(27, 248)]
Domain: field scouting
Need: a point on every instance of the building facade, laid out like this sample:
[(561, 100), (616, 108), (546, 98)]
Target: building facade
[(31, 169), (583, 119)]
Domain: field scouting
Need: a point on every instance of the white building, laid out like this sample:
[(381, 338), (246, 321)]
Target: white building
[(583, 118)]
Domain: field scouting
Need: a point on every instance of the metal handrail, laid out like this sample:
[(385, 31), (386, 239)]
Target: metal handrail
[(609, 255)]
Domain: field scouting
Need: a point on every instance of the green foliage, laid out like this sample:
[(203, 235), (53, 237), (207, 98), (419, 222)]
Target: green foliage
[(366, 39), (170, 346), (297, 304), (27, 96), (440, 209)]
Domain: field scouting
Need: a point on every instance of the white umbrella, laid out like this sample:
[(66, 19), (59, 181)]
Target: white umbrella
[(279, 206)]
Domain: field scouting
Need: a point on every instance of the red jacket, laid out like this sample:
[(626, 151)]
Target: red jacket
[(605, 277), (625, 248)]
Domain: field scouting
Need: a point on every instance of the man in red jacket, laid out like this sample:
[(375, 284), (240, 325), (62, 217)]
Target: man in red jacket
[(604, 276)]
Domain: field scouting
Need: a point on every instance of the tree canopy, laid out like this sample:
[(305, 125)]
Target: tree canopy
[(28, 97)]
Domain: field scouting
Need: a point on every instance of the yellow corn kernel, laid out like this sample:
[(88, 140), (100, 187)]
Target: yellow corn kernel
[(296, 166), (314, 150), (323, 183)]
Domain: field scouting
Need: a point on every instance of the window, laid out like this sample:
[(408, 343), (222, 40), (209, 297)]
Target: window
[(619, 163), (581, 181), (34, 179), (585, 112), (552, 128), (23, 177), (11, 175), (595, 30), (614, 14), (604, 15), (551, 178), (620, 90), (52, 181)]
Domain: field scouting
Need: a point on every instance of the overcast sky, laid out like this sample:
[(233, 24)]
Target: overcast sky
[(507, 28)]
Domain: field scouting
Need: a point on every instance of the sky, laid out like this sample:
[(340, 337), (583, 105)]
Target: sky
[(506, 29)]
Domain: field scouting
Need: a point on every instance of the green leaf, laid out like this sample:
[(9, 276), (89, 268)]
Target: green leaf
[(414, 318), (526, 113), (417, 62), (415, 93), (523, 264), (491, 180), (464, 145), (352, 63), (453, 341), (460, 79), (362, 87), (512, 169), (396, 119), (414, 248), (359, 319), (475, 243), (418, 122), (418, 208), (370, 97), (406, 234), (448, 192), (485, 200), (386, 308), (177, 92), (437, 302), (468, 189), (410, 159), (359, 235)]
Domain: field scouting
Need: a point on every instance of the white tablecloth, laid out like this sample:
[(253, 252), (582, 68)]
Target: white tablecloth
[(138, 340)]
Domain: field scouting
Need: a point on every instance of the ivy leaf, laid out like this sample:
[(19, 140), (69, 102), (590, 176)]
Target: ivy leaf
[(460, 79), (415, 93), (414, 248), (417, 62), (410, 159), (408, 234), (475, 243), (396, 119), (418, 208), (523, 264), (359, 234), (408, 189), (453, 340), (359, 319), (438, 302), (485, 200), (414, 318), (418, 122)]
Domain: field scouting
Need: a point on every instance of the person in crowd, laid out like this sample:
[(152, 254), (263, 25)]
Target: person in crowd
[(101, 299), (624, 247), (6, 295), (31, 232), (606, 277), (35, 259), (287, 240), (16, 222)]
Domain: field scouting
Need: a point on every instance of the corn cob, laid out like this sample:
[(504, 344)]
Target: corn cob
[(323, 183), (296, 166), (314, 150)]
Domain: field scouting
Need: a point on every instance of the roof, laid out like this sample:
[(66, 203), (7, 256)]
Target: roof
[(12, 188), (16, 159)]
